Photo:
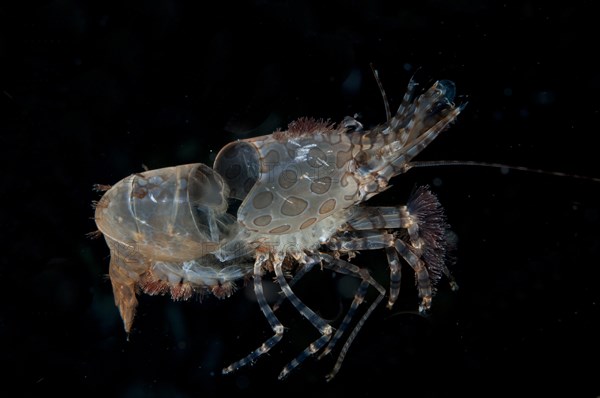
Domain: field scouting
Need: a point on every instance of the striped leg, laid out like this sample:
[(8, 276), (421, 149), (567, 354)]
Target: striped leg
[(371, 240), (267, 311), (350, 340), (344, 267), (324, 328), (425, 224), (406, 107), (422, 275), (299, 274), (395, 275)]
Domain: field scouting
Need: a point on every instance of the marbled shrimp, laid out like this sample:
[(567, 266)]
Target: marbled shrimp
[(301, 194)]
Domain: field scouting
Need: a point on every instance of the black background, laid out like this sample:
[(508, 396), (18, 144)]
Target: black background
[(91, 92)]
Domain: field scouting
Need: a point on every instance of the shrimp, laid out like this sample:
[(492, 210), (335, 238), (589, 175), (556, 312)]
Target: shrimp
[(302, 196)]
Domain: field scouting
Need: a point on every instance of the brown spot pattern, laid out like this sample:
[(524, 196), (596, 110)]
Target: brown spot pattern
[(321, 185), (293, 206), (281, 229), (316, 158), (308, 223), (262, 220), (328, 206), (288, 178), (262, 200), (342, 158)]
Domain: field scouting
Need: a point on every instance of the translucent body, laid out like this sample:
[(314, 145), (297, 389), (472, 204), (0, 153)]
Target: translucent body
[(301, 192), (163, 227), (301, 177)]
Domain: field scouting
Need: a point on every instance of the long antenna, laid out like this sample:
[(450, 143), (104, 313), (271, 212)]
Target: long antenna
[(385, 101), (437, 163)]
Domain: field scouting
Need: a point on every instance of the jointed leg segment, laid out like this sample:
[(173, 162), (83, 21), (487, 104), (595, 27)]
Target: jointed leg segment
[(424, 249), (276, 325)]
